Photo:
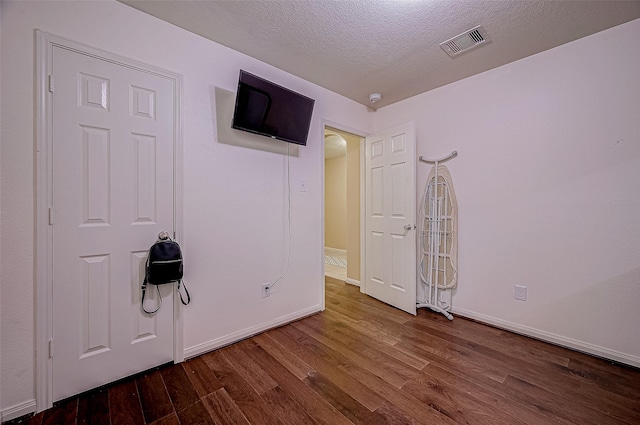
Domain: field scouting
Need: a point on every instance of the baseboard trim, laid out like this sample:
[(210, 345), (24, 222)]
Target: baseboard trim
[(335, 251), (214, 344), (352, 281), (18, 410), (552, 338)]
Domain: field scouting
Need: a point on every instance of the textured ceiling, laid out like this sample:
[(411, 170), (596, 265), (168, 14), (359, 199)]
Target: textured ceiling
[(359, 47)]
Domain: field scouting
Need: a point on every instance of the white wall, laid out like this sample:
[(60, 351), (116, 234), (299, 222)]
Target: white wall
[(234, 197), (547, 181)]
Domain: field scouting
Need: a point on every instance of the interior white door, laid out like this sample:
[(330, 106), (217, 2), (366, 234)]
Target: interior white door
[(390, 217), (113, 192)]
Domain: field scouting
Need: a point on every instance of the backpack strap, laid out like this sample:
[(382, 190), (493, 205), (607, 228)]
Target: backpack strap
[(180, 283), (144, 290)]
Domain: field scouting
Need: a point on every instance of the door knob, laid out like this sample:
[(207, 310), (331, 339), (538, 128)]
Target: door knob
[(407, 227)]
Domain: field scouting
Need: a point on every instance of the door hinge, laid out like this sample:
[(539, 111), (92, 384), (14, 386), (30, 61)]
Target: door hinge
[(50, 348), (50, 216), (51, 83)]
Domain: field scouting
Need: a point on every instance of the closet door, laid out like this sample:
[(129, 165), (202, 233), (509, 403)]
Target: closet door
[(113, 192)]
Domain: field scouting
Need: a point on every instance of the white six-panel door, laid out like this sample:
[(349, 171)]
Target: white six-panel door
[(390, 211), (113, 192)]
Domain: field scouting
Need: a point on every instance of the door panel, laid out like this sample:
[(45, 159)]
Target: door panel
[(390, 245), (113, 192)]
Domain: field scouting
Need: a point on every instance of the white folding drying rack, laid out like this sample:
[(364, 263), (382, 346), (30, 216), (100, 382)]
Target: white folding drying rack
[(435, 237)]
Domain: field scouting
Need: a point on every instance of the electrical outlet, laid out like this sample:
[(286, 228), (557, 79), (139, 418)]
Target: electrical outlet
[(266, 290), (521, 293)]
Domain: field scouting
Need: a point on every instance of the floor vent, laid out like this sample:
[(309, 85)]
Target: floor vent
[(335, 261), (465, 41)]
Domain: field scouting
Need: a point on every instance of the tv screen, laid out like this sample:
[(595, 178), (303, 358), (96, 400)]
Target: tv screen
[(268, 109)]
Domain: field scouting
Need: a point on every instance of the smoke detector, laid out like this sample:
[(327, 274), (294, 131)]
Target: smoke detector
[(375, 97), (467, 40)]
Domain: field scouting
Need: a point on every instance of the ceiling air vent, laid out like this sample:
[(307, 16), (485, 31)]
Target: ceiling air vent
[(465, 41)]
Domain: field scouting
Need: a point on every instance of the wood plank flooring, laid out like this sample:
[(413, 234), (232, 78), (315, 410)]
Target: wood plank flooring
[(363, 362)]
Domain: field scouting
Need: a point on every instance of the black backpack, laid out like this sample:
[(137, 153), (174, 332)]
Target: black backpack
[(164, 265)]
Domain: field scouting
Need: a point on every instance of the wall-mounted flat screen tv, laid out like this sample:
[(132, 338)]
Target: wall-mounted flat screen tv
[(265, 108)]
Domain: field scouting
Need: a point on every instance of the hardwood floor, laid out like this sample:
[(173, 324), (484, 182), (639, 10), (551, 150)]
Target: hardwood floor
[(363, 362)]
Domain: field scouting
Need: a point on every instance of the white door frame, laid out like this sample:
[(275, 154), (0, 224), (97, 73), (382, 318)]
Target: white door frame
[(45, 43)]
